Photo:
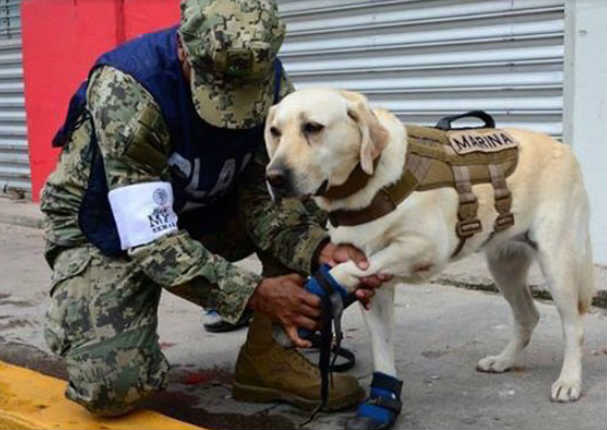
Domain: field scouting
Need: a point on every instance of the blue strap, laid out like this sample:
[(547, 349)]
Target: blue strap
[(314, 283), (277, 79)]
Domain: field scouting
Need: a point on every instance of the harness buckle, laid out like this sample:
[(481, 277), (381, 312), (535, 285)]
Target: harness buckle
[(394, 405), (503, 221), (468, 228)]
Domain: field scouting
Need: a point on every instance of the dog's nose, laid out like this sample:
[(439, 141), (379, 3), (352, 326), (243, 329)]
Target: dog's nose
[(277, 178)]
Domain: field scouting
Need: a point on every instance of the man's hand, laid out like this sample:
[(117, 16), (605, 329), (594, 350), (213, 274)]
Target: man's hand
[(284, 300), (332, 255)]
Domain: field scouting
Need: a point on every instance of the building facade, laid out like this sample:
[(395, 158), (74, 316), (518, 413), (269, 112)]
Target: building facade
[(14, 162), (537, 64)]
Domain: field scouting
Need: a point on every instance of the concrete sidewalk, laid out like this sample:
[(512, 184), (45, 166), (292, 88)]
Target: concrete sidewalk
[(441, 333), (20, 212)]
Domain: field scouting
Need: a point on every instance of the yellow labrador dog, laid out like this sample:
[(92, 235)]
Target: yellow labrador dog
[(316, 137)]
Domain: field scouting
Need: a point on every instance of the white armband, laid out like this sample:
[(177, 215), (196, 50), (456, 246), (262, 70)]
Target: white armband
[(143, 212)]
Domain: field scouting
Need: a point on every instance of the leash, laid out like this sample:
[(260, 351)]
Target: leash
[(334, 299), (346, 354)]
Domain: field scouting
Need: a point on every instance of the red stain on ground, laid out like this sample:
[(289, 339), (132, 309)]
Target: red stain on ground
[(197, 378), (165, 345), (210, 376)]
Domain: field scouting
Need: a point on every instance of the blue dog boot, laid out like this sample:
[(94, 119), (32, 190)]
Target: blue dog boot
[(380, 410)]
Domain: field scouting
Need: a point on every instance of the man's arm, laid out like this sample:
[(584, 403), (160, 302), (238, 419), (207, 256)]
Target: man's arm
[(134, 142), (291, 231)]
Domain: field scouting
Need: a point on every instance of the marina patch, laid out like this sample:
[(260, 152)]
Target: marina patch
[(489, 140)]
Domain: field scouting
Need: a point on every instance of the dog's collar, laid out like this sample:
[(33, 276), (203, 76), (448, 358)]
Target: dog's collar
[(385, 201), (357, 180)]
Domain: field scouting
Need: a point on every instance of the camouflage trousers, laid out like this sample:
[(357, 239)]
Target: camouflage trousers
[(103, 319)]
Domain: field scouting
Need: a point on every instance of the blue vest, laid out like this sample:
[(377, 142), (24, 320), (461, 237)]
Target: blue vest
[(205, 160)]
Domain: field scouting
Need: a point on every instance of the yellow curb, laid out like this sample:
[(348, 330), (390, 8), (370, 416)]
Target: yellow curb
[(29, 400)]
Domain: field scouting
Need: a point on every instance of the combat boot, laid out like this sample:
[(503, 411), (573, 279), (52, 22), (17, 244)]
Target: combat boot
[(267, 372)]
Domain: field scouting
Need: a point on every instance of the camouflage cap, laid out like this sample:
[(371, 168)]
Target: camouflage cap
[(231, 46)]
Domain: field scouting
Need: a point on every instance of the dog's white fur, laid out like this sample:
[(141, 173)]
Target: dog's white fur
[(416, 241)]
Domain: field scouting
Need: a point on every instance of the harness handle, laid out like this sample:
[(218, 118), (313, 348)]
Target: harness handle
[(445, 122)]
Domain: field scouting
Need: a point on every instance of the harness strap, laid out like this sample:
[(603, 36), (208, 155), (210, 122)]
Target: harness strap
[(468, 223), (386, 382), (503, 199)]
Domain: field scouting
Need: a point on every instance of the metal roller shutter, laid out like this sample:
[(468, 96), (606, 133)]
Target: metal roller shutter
[(426, 59), (14, 161)]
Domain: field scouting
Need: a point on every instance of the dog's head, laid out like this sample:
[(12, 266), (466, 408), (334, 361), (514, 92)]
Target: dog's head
[(316, 137)]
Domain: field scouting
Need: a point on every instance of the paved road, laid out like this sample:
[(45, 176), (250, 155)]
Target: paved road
[(442, 331)]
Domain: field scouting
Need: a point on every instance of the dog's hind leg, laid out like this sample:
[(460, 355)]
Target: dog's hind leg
[(565, 274), (565, 257), (509, 265)]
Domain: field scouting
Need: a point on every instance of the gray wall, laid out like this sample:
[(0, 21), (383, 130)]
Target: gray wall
[(426, 59), (586, 107), (14, 161)]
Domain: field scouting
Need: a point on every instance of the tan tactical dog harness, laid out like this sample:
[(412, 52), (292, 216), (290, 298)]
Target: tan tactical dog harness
[(443, 157)]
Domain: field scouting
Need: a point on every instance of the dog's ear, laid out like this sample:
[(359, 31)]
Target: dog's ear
[(374, 135)]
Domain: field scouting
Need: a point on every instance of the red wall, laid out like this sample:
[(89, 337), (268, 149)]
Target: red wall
[(142, 16), (61, 40)]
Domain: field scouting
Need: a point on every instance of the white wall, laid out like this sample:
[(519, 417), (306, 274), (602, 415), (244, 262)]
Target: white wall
[(585, 110)]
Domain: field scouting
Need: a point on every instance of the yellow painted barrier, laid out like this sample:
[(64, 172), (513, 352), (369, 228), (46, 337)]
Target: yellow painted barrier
[(30, 400)]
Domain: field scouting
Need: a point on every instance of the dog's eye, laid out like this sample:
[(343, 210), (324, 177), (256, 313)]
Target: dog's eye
[(312, 127), (275, 132)]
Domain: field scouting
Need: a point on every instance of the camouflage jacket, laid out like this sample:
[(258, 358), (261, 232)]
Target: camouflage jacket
[(118, 106)]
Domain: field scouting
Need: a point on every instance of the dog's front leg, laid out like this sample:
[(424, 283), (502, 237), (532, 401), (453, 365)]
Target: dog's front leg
[(382, 407), (394, 259), (413, 260), (380, 322)]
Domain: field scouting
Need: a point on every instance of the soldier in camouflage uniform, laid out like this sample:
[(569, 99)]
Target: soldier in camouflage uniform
[(132, 209)]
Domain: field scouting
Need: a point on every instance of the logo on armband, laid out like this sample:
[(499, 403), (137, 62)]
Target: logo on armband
[(162, 219), (160, 197)]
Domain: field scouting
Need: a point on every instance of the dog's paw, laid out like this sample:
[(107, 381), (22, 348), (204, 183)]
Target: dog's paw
[(566, 391), (494, 364), (348, 275)]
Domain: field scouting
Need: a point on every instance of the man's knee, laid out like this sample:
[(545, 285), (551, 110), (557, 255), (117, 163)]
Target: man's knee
[(110, 381), (103, 399)]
